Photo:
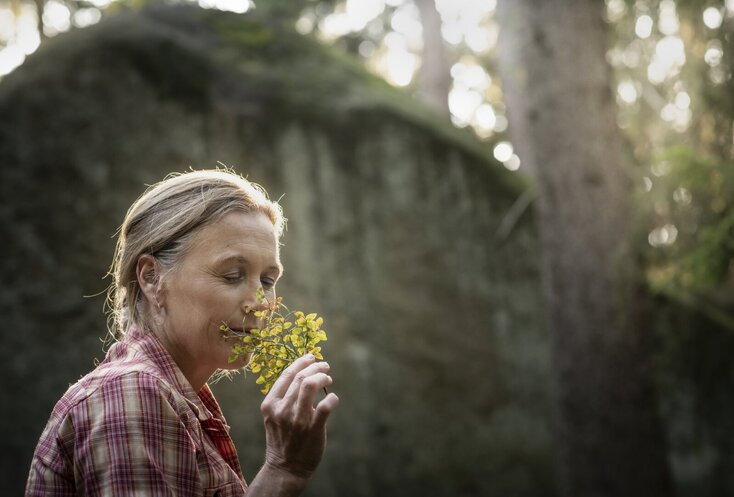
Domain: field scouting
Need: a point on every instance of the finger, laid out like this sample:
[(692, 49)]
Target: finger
[(324, 409), (280, 387), (307, 393), (295, 386)]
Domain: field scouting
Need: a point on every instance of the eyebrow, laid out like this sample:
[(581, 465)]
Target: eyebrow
[(243, 260)]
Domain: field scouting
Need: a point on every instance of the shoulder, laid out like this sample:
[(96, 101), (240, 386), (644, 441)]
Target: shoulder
[(104, 431), (96, 419), (135, 416), (104, 403), (125, 395), (113, 386)]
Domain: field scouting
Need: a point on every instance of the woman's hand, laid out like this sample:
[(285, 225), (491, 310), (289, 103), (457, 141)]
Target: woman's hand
[(296, 430)]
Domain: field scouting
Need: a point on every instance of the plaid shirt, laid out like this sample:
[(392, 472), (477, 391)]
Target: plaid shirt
[(134, 426)]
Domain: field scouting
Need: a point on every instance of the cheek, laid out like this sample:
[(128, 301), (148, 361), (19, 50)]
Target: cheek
[(196, 304), (222, 306)]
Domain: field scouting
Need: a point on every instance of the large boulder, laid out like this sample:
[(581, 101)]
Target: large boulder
[(401, 233)]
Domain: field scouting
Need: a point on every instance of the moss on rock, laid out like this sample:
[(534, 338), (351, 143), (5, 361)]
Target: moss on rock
[(393, 214)]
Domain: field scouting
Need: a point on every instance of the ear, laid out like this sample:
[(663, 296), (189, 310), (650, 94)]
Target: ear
[(148, 275)]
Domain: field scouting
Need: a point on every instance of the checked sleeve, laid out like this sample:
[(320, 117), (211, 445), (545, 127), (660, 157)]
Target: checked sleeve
[(130, 436)]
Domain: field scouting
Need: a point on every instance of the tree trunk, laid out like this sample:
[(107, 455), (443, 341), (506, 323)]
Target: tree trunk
[(562, 118), (435, 73)]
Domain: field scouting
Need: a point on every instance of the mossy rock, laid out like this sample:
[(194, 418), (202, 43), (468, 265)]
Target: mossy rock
[(394, 236)]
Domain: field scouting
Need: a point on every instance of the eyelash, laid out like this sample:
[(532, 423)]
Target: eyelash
[(267, 283)]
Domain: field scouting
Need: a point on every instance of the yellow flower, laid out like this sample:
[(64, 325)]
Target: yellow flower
[(282, 340)]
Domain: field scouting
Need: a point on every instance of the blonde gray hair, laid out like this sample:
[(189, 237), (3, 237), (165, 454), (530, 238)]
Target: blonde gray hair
[(162, 222)]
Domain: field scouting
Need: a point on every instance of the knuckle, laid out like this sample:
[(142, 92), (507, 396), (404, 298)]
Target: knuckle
[(280, 413), (299, 424), (313, 382)]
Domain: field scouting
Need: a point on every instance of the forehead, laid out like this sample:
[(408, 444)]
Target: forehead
[(237, 233)]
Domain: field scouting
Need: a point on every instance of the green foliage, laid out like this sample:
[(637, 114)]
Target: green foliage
[(708, 264), (287, 10), (275, 346), (692, 195)]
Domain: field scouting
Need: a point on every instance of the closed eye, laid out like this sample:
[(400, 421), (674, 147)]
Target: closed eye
[(233, 277), (267, 283)]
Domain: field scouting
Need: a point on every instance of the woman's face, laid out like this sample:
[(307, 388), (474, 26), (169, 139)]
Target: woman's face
[(215, 280)]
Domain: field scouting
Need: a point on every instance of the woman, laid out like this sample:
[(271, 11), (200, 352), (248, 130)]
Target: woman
[(192, 253)]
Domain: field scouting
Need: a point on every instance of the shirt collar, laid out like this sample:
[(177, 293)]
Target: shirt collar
[(144, 341)]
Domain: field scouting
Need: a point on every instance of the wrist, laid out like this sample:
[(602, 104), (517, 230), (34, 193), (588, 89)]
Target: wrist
[(286, 477), (273, 480)]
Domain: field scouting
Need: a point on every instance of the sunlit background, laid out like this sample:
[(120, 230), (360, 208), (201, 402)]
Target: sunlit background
[(392, 48), (653, 48), (392, 44)]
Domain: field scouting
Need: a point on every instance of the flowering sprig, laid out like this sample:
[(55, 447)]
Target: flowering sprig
[(282, 339)]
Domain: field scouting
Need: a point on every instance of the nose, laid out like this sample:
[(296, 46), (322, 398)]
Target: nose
[(255, 299)]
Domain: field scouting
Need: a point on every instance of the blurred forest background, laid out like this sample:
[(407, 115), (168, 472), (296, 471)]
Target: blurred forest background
[(514, 216)]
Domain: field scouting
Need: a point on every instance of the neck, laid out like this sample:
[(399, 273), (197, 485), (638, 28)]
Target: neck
[(196, 375)]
